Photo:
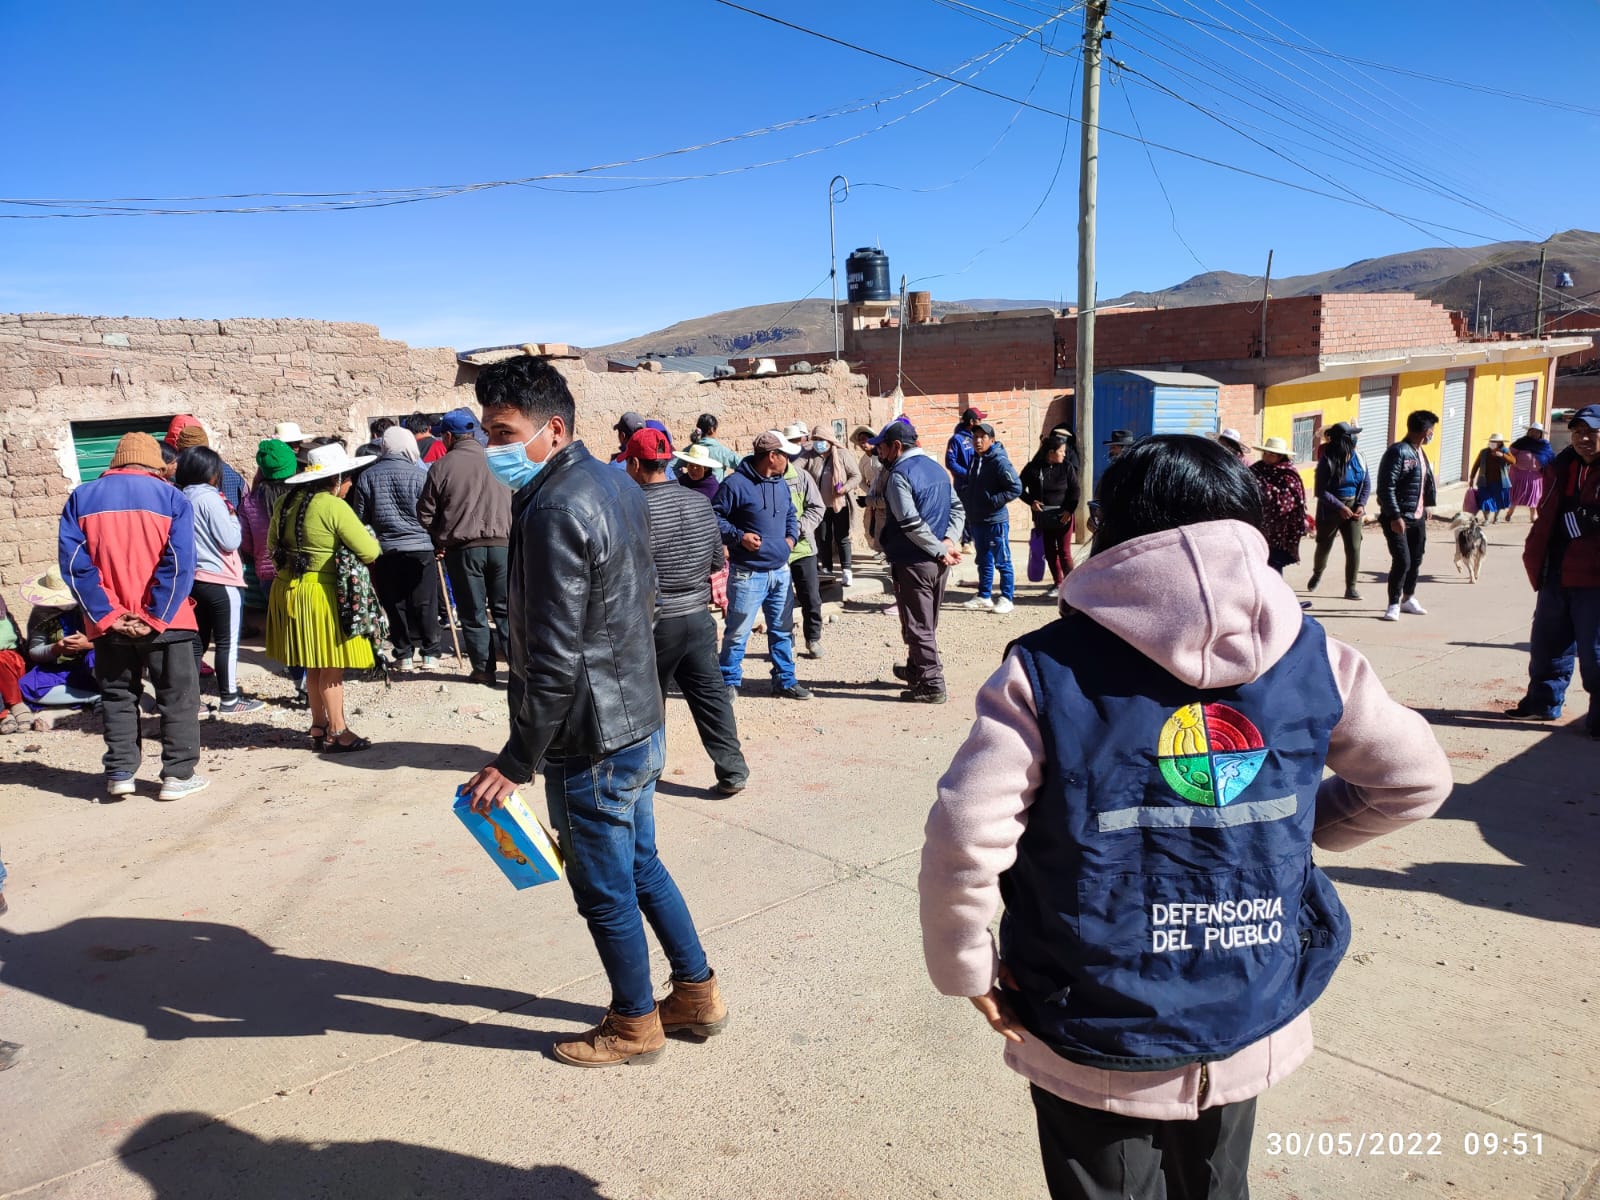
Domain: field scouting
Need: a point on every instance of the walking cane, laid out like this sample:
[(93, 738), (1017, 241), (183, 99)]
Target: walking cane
[(449, 609)]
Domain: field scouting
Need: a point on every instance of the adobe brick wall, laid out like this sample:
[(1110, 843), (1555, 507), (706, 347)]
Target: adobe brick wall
[(242, 376)]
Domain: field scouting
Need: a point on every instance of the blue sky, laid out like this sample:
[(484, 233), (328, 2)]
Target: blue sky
[(186, 98)]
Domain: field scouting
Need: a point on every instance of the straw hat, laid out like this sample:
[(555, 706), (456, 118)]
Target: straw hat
[(325, 461), (287, 431), (1495, 437), (1276, 445), (1233, 437), (796, 432), (48, 591), (697, 455)]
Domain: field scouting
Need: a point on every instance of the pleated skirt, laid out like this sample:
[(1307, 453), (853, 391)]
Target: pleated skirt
[(303, 625)]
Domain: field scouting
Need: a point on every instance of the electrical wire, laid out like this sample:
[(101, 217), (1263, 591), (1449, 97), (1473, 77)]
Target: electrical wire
[(1165, 195)]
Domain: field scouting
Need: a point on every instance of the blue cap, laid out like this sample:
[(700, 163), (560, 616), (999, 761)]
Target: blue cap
[(660, 428), (457, 420), (899, 430), (1588, 415)]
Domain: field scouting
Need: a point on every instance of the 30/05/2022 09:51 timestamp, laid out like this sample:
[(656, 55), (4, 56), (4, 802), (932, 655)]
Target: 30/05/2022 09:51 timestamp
[(1397, 1144)]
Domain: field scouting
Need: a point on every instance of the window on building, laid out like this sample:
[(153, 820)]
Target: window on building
[(94, 442), (1307, 436)]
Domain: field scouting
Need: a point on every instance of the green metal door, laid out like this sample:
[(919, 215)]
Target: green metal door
[(94, 442)]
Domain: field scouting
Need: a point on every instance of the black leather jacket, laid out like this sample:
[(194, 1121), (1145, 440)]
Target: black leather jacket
[(1404, 476), (582, 603)]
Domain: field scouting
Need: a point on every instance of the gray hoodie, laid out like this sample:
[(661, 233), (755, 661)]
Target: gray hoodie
[(216, 537)]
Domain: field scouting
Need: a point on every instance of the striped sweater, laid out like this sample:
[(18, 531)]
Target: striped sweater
[(127, 548), (686, 546)]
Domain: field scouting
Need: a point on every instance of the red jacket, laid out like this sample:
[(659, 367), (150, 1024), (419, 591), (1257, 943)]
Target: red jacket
[(1568, 485), (127, 548)]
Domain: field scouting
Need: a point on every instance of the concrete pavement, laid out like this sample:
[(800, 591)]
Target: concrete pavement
[(306, 981)]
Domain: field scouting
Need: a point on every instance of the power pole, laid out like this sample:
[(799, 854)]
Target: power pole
[(1094, 32), (838, 192), (1538, 320), (1266, 293)]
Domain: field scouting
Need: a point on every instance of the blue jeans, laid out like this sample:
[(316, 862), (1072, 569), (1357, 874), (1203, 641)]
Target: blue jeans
[(1566, 629), (994, 554), (751, 592), (603, 811)]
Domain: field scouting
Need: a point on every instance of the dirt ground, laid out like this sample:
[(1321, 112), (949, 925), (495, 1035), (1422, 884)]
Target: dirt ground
[(307, 981)]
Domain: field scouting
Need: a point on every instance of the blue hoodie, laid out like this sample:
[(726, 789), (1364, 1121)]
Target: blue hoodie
[(751, 503)]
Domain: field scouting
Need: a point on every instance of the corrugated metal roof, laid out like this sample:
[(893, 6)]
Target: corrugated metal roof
[(699, 364), (1168, 378)]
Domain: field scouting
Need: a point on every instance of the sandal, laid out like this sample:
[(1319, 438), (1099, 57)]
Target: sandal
[(319, 738), (335, 746)]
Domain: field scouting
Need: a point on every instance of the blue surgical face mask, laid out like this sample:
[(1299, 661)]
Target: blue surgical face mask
[(820, 447), (511, 465)]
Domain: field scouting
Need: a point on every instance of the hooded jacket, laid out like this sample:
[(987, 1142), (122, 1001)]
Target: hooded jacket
[(1201, 603), (748, 502), (990, 485)]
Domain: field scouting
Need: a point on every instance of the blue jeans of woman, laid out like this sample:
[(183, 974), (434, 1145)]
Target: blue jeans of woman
[(993, 541), (603, 811)]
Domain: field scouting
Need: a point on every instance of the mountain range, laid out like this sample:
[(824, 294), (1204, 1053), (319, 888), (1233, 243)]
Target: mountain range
[(1506, 271)]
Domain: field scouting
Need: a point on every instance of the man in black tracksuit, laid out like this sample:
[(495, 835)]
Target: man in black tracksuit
[(1405, 493)]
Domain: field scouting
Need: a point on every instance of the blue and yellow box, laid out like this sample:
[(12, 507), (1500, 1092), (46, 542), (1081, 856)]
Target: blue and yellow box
[(516, 839)]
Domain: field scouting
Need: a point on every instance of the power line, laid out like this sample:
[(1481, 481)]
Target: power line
[(1165, 195)]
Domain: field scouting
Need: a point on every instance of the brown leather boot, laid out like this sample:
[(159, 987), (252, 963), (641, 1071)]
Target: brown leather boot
[(616, 1040), (694, 1007)]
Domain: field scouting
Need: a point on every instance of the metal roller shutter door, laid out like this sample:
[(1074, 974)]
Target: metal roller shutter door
[(1527, 391), (1373, 416), (1453, 427)]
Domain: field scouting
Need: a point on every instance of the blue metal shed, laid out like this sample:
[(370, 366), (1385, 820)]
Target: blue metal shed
[(1146, 402)]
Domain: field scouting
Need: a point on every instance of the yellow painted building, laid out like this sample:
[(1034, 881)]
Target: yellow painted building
[(1476, 388)]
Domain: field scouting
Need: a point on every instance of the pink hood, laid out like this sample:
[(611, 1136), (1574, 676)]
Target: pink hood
[(1200, 600)]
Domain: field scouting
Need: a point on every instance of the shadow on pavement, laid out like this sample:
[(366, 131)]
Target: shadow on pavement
[(201, 979), (184, 1156), (1550, 829)]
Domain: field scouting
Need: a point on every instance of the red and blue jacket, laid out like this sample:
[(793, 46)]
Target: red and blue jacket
[(127, 548)]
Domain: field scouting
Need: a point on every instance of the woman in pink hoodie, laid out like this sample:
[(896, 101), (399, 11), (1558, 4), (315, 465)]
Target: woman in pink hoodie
[(1142, 788)]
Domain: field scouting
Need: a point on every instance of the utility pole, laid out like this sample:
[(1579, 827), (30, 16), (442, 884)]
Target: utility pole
[(1266, 292), (1477, 309), (836, 195), (1094, 32), (1538, 321)]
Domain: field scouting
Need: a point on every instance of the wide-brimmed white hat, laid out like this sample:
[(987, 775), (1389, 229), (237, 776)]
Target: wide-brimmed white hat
[(1532, 425), (322, 462), (697, 456), (48, 591), (796, 432), (1228, 435), (288, 431), (1495, 437), (1276, 445)]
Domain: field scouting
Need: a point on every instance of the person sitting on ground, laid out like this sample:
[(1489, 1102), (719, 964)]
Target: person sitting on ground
[(309, 526), (60, 657), (991, 485), (705, 434), (836, 475), (1143, 788), (698, 470), (126, 550), (1283, 502), (1491, 478), (13, 666), (218, 591), (385, 497), (1050, 488)]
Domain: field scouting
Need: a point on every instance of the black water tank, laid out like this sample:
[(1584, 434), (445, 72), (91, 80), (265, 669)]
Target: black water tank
[(866, 274)]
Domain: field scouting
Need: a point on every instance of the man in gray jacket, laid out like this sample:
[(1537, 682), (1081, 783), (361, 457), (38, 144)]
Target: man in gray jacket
[(468, 517)]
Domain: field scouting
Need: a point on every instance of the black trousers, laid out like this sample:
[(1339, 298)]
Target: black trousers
[(808, 596), (833, 536), (1405, 557), (686, 654), (1094, 1155), (121, 665), (407, 583), (479, 578), (918, 593), (217, 613)]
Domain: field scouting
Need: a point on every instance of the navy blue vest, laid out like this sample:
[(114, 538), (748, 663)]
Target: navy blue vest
[(930, 486), (1164, 909)]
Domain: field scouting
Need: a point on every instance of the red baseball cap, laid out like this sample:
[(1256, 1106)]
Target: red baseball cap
[(648, 445)]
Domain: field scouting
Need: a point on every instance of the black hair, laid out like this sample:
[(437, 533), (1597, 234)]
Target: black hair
[(1338, 452), (1421, 421), (530, 385), (199, 464), (706, 423), (168, 454), (418, 423), (379, 426), (1169, 480)]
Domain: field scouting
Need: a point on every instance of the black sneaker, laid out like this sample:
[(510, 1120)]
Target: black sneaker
[(1311, 584), (902, 671), (793, 692), (1520, 713), (729, 787), (1352, 594), (923, 695)]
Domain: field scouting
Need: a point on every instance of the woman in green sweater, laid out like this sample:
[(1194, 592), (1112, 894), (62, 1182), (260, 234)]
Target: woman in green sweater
[(309, 525)]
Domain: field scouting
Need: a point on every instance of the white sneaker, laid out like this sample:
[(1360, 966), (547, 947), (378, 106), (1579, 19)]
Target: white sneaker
[(1410, 605), (1002, 606), (849, 577), (118, 788), (979, 604), (177, 789), (429, 661), (1392, 613), (1052, 593)]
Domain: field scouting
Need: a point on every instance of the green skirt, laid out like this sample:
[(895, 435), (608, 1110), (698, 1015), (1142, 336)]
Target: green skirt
[(303, 625)]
